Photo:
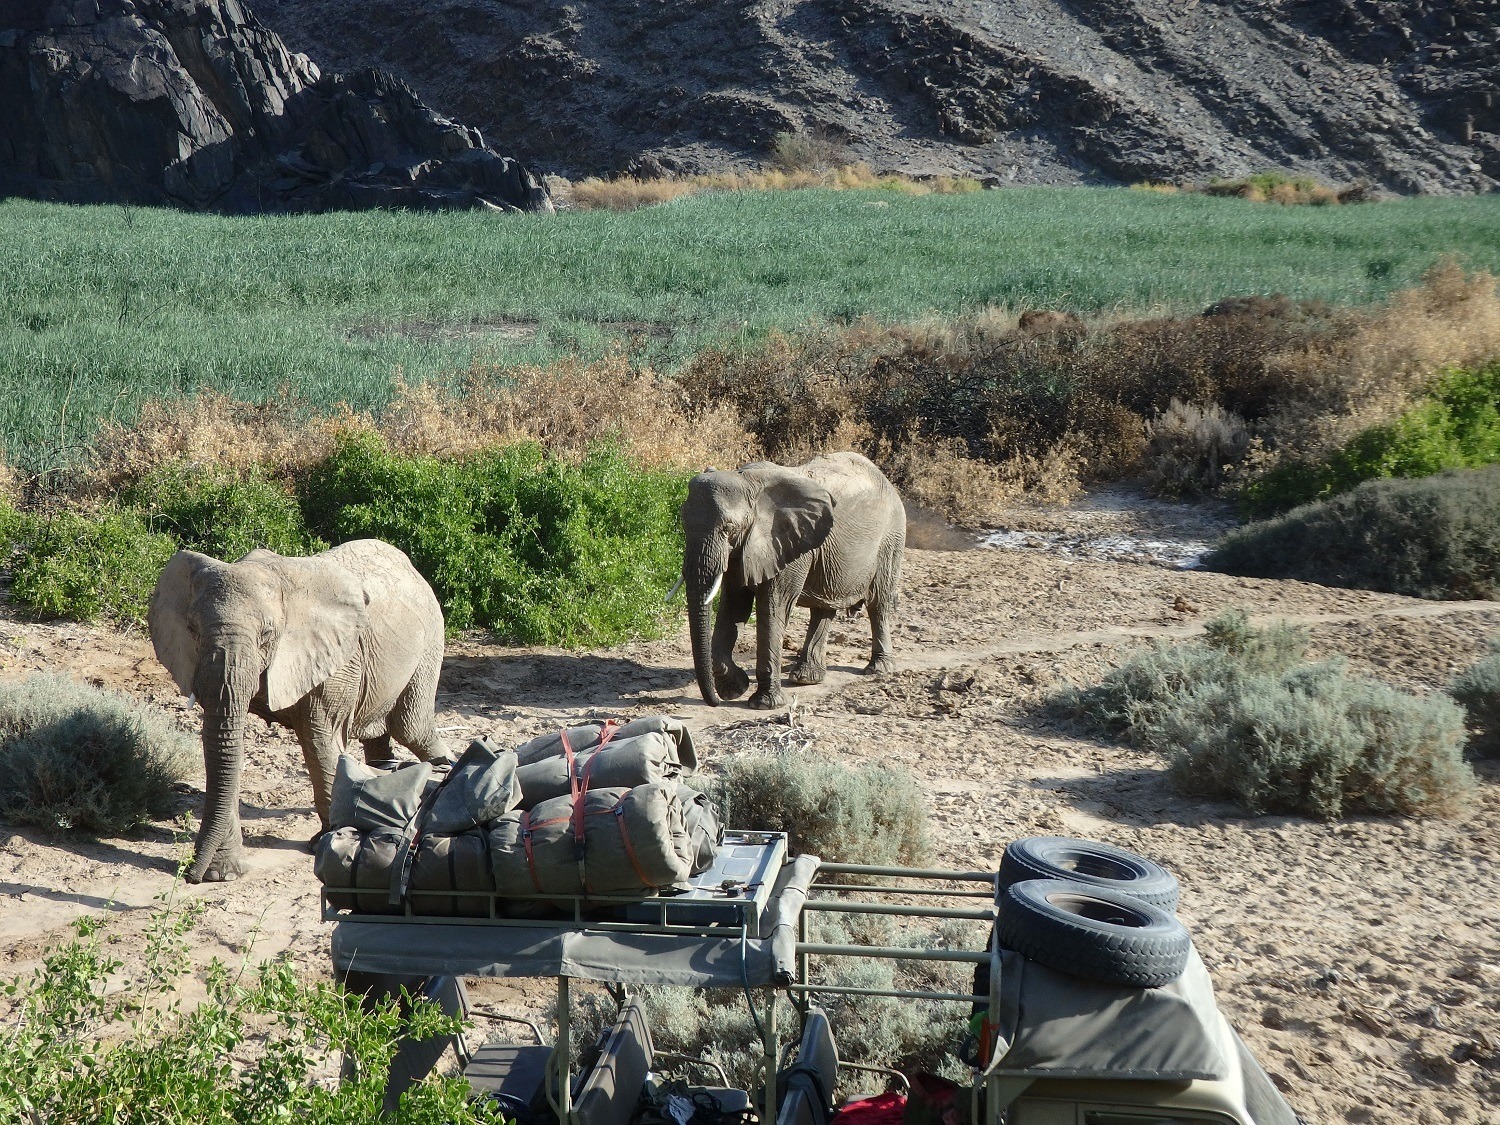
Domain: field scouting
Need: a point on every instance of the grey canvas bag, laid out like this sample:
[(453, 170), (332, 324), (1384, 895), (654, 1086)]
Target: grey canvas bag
[(481, 787), (633, 840), (622, 762), (587, 736)]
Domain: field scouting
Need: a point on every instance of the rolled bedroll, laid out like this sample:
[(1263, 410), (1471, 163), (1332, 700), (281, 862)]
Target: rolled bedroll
[(586, 736), (633, 840), (622, 762)]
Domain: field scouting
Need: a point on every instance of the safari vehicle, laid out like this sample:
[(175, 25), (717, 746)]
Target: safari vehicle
[(1091, 1005)]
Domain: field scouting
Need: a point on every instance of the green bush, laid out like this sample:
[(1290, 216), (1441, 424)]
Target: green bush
[(1239, 716), (1478, 693), (1457, 426), (539, 550), (79, 1050), (75, 757), (868, 814), (1437, 537), (86, 566), (221, 513)]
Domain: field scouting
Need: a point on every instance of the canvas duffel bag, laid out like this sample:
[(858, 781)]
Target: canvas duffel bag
[(634, 840), (349, 858), (621, 763), (452, 863), (588, 735)]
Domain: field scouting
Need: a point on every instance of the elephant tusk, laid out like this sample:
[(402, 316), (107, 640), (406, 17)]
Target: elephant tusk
[(676, 586), (193, 699), (714, 593)]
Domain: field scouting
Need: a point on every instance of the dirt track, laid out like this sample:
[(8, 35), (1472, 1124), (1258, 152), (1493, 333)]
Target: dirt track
[(1358, 959)]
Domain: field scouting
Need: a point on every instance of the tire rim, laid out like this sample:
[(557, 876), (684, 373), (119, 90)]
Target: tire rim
[(1098, 866), (1098, 910)]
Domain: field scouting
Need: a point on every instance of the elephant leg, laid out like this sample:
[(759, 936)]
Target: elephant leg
[(773, 605), (321, 747), (730, 680), (811, 667), (881, 604), (228, 862), (413, 720), (377, 749)]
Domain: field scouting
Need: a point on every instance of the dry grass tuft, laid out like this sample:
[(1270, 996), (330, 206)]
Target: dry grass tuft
[(939, 473), (566, 407), (627, 193), (211, 429), (1191, 449)]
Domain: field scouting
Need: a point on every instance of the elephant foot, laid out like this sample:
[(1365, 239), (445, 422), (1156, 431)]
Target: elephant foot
[(806, 672), (880, 666), (768, 699), (224, 868), (731, 683)]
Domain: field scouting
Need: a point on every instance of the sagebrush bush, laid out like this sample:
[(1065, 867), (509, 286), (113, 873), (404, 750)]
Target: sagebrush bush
[(535, 548), (1240, 716), (1435, 537), (73, 756), (221, 512), (257, 1049), (863, 814), (1191, 448), (1477, 690), (86, 565)]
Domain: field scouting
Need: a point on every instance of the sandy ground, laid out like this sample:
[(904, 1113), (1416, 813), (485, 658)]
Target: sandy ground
[(1360, 960)]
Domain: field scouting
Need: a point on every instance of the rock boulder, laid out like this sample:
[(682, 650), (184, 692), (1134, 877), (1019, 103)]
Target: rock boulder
[(194, 103)]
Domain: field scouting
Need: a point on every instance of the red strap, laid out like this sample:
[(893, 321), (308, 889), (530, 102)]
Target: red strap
[(635, 864), (526, 831)]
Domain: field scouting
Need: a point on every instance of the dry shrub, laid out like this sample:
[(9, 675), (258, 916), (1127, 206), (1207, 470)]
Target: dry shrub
[(938, 473), (627, 193), (1190, 449), (808, 151), (1375, 363), (210, 429), (566, 407)]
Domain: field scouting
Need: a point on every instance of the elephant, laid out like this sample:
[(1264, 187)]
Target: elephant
[(827, 535), (342, 646)]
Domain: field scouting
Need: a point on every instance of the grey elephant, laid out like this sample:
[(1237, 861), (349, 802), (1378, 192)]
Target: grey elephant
[(340, 647), (827, 535)]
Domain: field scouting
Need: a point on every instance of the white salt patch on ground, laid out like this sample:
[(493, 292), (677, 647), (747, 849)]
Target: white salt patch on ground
[(1182, 554)]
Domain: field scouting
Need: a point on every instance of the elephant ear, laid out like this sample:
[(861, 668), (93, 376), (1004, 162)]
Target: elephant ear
[(325, 617), (793, 515), (167, 616)]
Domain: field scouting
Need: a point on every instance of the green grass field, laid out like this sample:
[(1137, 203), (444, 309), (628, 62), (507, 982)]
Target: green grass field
[(104, 307)]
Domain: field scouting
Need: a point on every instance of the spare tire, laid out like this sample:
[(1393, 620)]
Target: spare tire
[(1087, 861), (1100, 935)]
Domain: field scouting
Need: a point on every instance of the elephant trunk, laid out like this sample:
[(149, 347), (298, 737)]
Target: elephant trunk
[(226, 680), (703, 569)]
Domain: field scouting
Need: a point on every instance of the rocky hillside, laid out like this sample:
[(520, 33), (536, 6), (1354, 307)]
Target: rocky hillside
[(1405, 93), (196, 103)]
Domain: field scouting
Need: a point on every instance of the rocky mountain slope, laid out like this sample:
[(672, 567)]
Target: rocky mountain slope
[(1405, 93), (196, 103)]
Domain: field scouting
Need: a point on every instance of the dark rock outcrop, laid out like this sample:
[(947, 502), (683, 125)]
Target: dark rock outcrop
[(194, 103), (1403, 93)]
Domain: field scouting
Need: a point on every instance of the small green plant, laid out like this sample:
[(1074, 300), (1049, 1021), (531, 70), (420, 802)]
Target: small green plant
[(75, 757), (1478, 692), (221, 513), (80, 1050), (1239, 715), (1436, 537), (86, 566), (1455, 426), (535, 548), (867, 814)]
